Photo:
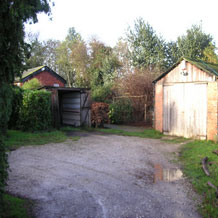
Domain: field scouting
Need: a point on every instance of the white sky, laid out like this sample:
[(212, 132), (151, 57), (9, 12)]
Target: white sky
[(108, 20)]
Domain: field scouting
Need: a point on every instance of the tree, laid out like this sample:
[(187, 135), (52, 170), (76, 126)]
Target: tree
[(173, 54), (197, 44), (121, 50), (137, 87), (50, 54), (70, 56), (209, 54), (147, 50), (104, 64), (36, 51), (13, 15), (80, 60), (41, 53), (64, 65)]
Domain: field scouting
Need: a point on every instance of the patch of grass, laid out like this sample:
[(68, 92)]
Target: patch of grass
[(148, 133), (15, 207), (175, 140), (18, 138), (191, 156), (74, 138), (70, 128)]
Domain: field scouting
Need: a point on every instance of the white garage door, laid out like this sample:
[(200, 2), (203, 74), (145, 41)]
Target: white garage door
[(185, 110)]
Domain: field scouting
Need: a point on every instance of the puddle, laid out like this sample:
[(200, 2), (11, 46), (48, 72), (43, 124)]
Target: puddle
[(144, 176), (167, 175)]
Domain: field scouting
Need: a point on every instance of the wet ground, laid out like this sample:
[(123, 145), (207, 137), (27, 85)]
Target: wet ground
[(102, 176)]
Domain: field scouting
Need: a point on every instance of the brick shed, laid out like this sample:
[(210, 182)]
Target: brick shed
[(44, 74), (186, 100)]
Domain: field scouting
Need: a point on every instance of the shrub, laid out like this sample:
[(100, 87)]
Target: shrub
[(3, 171), (120, 111), (16, 105), (99, 114), (35, 113), (5, 111), (139, 89), (102, 94), (5, 106), (32, 84)]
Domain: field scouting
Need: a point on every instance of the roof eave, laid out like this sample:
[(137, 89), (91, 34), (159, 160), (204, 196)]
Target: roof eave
[(213, 73)]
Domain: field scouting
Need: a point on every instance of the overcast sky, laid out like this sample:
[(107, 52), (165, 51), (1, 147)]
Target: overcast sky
[(108, 20)]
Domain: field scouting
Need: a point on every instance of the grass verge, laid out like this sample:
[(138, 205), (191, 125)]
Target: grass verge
[(175, 140), (18, 138), (16, 207), (191, 156), (148, 133)]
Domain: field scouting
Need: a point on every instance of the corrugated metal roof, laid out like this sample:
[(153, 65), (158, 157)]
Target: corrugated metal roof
[(205, 66)]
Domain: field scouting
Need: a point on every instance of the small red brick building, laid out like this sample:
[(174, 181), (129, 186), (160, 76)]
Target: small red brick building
[(186, 100), (45, 75)]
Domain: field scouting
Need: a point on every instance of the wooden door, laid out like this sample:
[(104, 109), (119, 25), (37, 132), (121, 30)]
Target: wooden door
[(85, 109), (185, 110)]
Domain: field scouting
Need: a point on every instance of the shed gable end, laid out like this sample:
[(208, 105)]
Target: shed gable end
[(187, 73)]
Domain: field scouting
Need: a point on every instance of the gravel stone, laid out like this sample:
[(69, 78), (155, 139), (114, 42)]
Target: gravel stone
[(100, 176)]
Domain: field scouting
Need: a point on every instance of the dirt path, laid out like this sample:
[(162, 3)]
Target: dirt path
[(105, 176)]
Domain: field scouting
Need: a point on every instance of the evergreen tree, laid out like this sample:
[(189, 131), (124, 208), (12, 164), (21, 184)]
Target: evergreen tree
[(197, 45), (147, 50), (13, 15)]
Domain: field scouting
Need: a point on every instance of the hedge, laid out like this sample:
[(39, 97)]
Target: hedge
[(32, 84), (121, 111), (16, 105), (35, 112), (5, 111)]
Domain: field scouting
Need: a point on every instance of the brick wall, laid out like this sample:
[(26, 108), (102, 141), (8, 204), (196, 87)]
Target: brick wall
[(212, 110), (158, 113), (47, 79)]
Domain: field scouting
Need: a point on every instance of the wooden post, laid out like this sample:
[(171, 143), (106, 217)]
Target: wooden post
[(145, 113)]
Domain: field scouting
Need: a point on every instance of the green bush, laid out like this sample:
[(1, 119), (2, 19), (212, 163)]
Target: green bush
[(16, 105), (3, 171), (120, 111), (5, 106), (35, 113), (102, 94), (32, 84)]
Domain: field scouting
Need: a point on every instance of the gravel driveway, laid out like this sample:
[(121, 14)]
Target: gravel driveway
[(101, 176)]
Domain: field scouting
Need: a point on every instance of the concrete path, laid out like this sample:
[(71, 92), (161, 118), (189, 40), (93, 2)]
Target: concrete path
[(102, 176)]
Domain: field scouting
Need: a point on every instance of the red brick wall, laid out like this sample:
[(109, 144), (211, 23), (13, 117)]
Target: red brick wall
[(47, 79), (158, 113), (212, 110)]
